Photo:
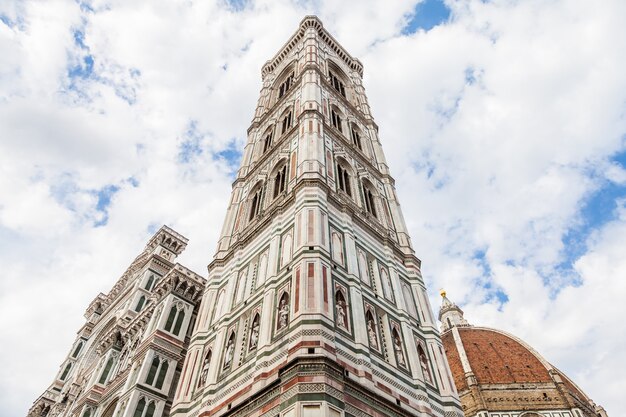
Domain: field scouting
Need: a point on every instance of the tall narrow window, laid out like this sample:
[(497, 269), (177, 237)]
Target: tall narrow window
[(280, 181), (65, 372), (141, 405), (175, 320), (343, 180), (368, 196), (286, 123), (153, 370), (337, 84), (107, 369), (149, 283), (179, 322), (150, 410), (285, 85), (170, 319), (255, 203), (140, 303), (162, 374), (356, 137), (335, 119), (77, 350), (267, 141)]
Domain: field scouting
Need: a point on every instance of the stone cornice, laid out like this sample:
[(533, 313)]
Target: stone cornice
[(306, 23)]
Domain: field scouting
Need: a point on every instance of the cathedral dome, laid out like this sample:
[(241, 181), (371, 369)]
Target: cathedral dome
[(497, 372)]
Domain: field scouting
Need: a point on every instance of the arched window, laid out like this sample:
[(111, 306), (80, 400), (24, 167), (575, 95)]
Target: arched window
[(424, 364), (141, 405), (140, 303), (175, 320), (356, 136), (343, 178), (285, 85), (150, 410), (154, 367), (286, 122), (179, 322), (77, 350), (162, 374), (149, 282), (336, 82), (368, 198), (106, 371), (280, 181), (335, 118), (87, 412), (267, 140), (255, 201), (65, 371)]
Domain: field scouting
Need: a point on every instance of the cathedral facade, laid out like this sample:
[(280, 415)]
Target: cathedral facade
[(314, 303)]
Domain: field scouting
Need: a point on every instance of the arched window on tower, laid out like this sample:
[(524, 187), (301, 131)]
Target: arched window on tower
[(344, 177), (355, 135), (79, 346), (267, 139), (142, 411), (150, 282), (286, 122), (285, 85), (369, 199), (336, 81), (157, 373), (66, 371), (335, 118), (280, 180), (255, 201), (175, 320), (140, 303), (104, 376)]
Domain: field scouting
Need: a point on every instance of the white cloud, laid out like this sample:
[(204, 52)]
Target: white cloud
[(498, 127)]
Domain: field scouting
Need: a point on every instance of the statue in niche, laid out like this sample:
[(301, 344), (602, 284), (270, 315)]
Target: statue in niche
[(283, 313), (254, 333), (397, 346), (371, 332), (230, 349), (205, 370), (340, 311)]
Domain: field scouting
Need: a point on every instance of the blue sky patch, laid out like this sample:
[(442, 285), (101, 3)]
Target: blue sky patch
[(105, 194), (599, 208), (426, 15), (237, 5)]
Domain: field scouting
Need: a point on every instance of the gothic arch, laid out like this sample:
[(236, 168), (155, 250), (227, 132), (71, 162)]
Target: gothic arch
[(278, 177), (345, 175), (255, 200), (370, 197)]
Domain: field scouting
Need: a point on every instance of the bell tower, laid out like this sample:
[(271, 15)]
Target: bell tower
[(315, 304)]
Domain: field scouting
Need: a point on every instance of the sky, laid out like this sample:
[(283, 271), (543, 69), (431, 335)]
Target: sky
[(503, 122)]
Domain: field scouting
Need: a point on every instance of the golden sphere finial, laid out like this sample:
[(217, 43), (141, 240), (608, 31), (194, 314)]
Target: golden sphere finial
[(442, 292)]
